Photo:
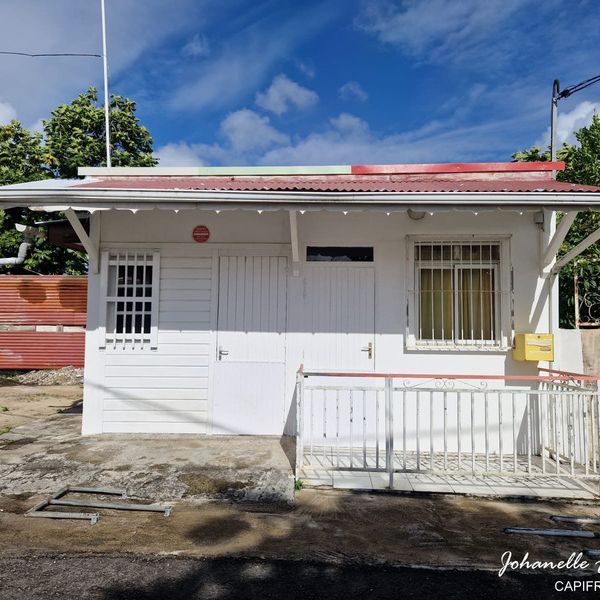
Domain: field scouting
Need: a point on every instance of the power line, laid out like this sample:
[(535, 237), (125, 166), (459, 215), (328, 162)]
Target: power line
[(578, 87), (53, 54)]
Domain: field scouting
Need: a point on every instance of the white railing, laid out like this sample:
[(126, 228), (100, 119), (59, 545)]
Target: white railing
[(545, 425)]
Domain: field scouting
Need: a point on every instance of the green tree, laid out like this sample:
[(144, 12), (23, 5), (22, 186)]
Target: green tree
[(21, 155), (73, 137), (582, 166)]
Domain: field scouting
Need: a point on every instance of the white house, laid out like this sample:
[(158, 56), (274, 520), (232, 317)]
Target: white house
[(210, 287)]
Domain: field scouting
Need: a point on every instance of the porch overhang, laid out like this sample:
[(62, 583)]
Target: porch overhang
[(92, 200)]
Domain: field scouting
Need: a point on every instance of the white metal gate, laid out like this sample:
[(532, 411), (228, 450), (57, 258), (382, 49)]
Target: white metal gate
[(442, 426), (249, 383)]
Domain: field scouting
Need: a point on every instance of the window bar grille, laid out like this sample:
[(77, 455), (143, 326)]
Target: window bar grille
[(125, 290)]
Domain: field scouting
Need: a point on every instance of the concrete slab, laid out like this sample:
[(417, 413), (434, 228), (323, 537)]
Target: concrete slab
[(351, 480), (43, 456)]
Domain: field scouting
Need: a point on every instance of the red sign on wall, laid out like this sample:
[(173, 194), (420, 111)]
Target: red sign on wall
[(201, 234)]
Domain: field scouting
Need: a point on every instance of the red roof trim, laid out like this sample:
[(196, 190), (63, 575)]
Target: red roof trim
[(503, 167)]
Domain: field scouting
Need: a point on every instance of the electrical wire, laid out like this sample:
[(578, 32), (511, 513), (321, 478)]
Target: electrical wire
[(578, 87), (52, 54)]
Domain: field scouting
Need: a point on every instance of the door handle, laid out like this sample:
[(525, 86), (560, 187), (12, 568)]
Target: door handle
[(222, 353), (369, 349)]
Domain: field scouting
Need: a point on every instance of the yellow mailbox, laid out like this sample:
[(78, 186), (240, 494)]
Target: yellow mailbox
[(534, 346)]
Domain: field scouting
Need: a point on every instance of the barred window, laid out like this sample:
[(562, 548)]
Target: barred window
[(457, 293), (130, 280)]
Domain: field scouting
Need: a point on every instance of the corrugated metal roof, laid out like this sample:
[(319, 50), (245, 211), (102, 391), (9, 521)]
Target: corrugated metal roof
[(41, 350), (340, 183), (43, 299)]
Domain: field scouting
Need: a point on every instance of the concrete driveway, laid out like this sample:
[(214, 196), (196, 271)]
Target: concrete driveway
[(45, 455)]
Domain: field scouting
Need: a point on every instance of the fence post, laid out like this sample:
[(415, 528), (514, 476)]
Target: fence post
[(299, 420), (389, 429)]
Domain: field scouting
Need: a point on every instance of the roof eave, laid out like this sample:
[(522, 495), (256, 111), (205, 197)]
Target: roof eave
[(125, 199)]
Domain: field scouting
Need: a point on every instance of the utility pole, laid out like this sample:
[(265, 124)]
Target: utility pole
[(106, 94), (558, 94)]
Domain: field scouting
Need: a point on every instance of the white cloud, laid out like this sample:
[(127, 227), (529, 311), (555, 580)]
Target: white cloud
[(180, 154), (246, 130), (245, 136), (283, 93), (306, 68), (247, 59), (197, 47), (352, 90), (570, 122), (248, 138), (436, 29), (7, 113), (38, 85)]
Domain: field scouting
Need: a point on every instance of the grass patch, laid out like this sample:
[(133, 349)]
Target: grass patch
[(4, 408), (6, 429)]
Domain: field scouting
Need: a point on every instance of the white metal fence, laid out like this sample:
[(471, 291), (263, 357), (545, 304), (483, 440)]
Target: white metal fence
[(537, 426)]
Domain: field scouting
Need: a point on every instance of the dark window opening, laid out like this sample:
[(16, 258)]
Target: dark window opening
[(339, 254)]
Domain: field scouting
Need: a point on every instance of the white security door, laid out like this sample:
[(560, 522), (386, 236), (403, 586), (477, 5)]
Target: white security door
[(250, 367), (339, 309)]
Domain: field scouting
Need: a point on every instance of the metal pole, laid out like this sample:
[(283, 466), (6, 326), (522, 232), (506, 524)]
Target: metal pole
[(106, 95), (553, 118)]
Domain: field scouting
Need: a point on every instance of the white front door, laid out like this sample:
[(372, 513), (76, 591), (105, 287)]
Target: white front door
[(339, 310), (249, 389)]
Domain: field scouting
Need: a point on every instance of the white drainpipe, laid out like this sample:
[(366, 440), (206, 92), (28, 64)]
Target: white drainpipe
[(29, 235)]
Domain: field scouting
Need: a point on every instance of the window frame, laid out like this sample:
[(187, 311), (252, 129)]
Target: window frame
[(133, 341), (503, 279)]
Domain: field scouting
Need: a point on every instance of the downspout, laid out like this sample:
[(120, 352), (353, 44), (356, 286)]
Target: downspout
[(29, 235)]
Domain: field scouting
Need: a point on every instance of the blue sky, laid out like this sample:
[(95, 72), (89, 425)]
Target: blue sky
[(330, 82)]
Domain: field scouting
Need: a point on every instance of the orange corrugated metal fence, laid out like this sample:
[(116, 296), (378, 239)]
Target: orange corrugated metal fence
[(43, 299), (41, 349), (29, 303)]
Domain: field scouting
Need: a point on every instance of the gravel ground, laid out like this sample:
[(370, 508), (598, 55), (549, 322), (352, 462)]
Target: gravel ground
[(64, 376), (121, 577)]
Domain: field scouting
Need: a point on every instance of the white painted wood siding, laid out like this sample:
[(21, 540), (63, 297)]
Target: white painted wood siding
[(338, 314), (167, 389)]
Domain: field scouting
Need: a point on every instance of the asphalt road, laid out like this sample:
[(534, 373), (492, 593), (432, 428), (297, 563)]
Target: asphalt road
[(127, 577)]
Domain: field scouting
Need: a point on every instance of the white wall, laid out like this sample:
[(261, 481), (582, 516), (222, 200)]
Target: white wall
[(169, 389)]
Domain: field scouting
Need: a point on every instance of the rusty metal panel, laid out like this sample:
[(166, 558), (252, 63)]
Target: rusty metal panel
[(41, 350), (378, 182), (43, 299)]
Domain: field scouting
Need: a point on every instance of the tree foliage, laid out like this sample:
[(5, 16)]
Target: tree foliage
[(74, 136), (582, 166)]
